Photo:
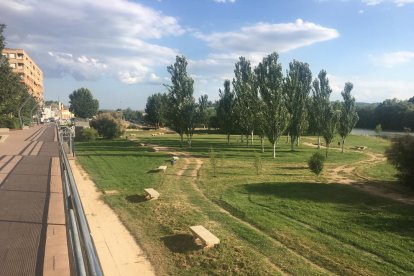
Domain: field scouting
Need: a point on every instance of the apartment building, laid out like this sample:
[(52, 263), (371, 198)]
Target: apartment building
[(29, 72)]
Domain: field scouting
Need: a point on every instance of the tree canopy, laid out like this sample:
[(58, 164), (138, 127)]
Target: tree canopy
[(297, 88), (225, 110), (349, 115), (181, 113), (13, 93), (270, 83), (246, 97), (83, 104), (155, 109)]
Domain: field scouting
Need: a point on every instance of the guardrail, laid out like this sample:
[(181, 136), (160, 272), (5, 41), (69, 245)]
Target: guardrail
[(84, 259)]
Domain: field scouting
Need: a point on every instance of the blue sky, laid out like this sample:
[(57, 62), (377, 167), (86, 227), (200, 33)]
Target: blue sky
[(120, 49)]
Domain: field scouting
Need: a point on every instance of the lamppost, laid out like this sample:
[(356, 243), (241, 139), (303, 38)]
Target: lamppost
[(20, 109), (31, 113)]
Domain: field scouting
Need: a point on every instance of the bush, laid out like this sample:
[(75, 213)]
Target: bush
[(401, 155), (87, 134), (213, 160), (108, 126), (257, 163), (316, 163), (7, 122)]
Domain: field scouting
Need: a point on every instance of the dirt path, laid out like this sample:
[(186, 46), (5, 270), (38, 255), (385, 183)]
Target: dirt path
[(117, 250), (347, 174)]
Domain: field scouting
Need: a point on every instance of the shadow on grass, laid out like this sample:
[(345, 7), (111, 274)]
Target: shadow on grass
[(317, 192), (180, 243), (136, 198), (154, 171), (361, 208)]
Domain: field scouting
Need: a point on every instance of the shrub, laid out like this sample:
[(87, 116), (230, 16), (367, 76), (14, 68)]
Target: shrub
[(401, 155), (107, 126), (213, 160), (316, 163), (87, 134), (7, 122)]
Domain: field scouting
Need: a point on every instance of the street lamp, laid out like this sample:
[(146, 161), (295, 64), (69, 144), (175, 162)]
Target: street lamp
[(20, 109), (31, 113)]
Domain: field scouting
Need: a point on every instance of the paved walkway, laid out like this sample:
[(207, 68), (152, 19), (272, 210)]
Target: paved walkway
[(32, 221)]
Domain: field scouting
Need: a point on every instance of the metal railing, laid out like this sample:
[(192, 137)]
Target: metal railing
[(84, 259)]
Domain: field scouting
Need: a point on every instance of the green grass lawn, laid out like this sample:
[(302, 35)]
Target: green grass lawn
[(284, 220)]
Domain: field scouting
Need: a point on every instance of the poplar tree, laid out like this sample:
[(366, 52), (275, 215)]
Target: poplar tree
[(246, 96), (328, 113), (225, 110), (349, 116), (182, 108), (297, 88), (275, 114), (321, 92)]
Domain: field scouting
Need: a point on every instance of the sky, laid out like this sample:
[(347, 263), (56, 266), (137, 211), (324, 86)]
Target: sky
[(120, 49)]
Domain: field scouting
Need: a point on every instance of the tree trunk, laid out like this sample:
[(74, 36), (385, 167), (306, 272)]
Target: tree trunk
[(319, 142), (182, 139), (241, 138), (343, 142), (189, 141), (327, 148), (228, 139), (262, 143), (247, 140), (297, 141), (274, 150), (292, 143), (287, 138), (252, 137)]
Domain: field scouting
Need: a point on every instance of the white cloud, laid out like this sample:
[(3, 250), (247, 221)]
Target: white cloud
[(393, 59), (361, 11), (371, 90), (399, 3), (254, 42), (260, 39), (224, 1), (372, 2), (110, 37)]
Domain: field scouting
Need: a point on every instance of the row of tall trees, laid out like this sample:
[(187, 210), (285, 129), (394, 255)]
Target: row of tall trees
[(392, 114), (265, 102), (261, 101), (14, 95)]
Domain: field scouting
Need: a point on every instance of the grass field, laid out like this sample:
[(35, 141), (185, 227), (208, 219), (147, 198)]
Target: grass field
[(282, 221)]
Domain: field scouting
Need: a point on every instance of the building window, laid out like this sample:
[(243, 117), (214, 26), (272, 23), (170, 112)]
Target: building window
[(13, 65), (12, 55), (19, 55), (20, 66)]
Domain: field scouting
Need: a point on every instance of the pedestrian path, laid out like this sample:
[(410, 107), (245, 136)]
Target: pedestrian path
[(33, 237)]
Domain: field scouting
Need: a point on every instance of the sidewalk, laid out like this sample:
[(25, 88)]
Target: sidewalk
[(32, 221)]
